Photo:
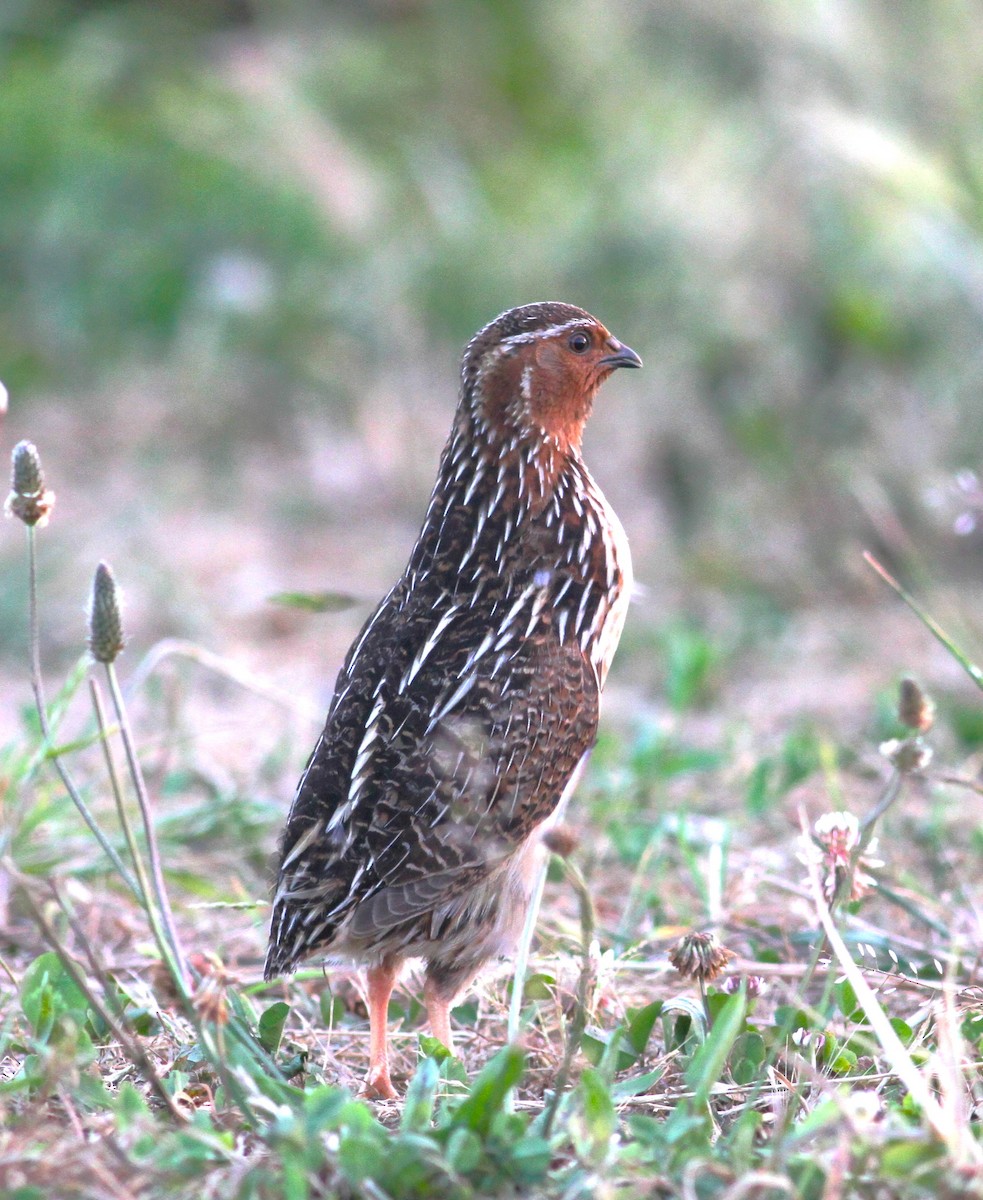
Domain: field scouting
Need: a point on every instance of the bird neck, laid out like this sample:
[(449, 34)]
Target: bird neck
[(494, 479)]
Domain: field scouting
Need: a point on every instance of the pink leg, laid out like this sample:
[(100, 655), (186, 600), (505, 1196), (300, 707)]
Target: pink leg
[(381, 980), (438, 1010)]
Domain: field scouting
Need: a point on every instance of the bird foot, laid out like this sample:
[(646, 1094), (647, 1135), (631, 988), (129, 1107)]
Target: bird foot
[(378, 1085)]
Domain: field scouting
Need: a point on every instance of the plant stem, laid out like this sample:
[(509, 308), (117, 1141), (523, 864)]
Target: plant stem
[(37, 686), (134, 1050), (147, 896), (578, 1024), (153, 852)]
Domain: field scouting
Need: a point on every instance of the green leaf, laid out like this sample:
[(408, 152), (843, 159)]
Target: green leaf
[(495, 1081), (707, 1064), (332, 1008), (608, 1051), (530, 1159), (325, 1107), (759, 794), (596, 1104), (809, 1178), (592, 1048), (843, 1062), (641, 1024), (637, 1085), (271, 1025), (317, 602), (748, 1057), (846, 1002), (539, 987), (902, 1029), (48, 993), (903, 1158), (432, 1047), (360, 1156), (689, 658), (418, 1106), (130, 1106), (464, 1151), (598, 1119)]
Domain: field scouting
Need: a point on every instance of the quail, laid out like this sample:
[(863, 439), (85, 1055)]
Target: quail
[(470, 697)]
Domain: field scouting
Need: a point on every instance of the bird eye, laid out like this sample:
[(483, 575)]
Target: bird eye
[(578, 342)]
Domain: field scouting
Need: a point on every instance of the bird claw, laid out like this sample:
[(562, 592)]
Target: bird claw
[(378, 1085)]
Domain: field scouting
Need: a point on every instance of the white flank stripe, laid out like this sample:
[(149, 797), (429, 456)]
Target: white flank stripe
[(482, 517), (518, 606), (344, 811), (305, 839), (582, 607), (499, 663), (359, 772), (537, 608), (476, 478), (475, 654), (457, 696), (499, 496), (368, 628), (428, 647), (563, 589), (561, 623), (584, 548)]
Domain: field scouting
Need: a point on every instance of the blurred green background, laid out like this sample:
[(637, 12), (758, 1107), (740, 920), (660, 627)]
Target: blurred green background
[(242, 245)]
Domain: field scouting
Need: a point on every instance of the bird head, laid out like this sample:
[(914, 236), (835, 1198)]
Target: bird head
[(535, 370)]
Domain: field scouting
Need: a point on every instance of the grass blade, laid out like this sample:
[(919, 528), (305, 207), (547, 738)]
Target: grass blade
[(934, 628)]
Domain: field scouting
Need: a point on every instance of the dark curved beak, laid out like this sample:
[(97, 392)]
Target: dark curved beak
[(620, 356)]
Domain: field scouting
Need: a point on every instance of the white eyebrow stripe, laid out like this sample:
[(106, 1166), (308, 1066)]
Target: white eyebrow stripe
[(536, 335)]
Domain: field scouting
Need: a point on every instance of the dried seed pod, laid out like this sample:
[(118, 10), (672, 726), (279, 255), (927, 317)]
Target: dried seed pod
[(105, 622), (908, 755), (561, 840), (699, 956), (29, 500), (915, 708)]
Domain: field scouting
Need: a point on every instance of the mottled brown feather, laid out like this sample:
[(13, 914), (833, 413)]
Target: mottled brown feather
[(471, 695)]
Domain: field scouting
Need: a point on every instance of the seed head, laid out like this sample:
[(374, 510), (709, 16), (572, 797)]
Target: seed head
[(835, 837), (105, 622), (561, 840), (29, 500), (907, 755), (699, 956), (915, 709), (837, 833)]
